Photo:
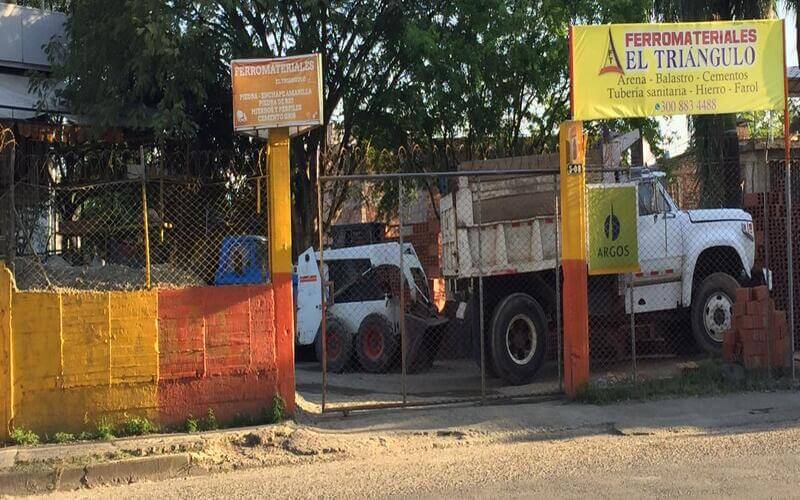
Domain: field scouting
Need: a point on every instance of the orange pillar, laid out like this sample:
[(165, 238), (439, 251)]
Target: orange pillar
[(280, 260), (573, 256)]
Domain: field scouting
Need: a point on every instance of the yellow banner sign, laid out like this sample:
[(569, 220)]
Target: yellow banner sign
[(637, 70), (280, 92)]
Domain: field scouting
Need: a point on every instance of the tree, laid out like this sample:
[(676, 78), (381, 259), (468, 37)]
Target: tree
[(431, 72), (714, 138)]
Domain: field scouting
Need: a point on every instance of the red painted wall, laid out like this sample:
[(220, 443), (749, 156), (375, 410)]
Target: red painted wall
[(217, 349)]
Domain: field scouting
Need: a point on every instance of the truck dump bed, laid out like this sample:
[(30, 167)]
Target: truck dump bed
[(516, 216)]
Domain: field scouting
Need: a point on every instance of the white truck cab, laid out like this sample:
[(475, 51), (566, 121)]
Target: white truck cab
[(689, 257)]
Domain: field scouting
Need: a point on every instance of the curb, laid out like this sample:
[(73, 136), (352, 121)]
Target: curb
[(46, 479)]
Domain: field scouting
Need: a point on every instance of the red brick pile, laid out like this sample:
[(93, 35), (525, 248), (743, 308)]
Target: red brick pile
[(427, 241), (759, 336), (769, 221)]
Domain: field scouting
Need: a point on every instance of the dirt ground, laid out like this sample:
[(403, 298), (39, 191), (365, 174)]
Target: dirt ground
[(745, 445), (448, 380)]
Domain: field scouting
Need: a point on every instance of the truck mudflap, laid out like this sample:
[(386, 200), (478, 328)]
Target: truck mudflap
[(423, 338)]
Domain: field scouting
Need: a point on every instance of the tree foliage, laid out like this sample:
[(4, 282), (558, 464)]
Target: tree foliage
[(429, 72)]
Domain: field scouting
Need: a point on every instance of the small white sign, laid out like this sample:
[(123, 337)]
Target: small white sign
[(462, 310)]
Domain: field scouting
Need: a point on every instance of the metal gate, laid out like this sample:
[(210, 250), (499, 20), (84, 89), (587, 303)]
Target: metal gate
[(437, 287)]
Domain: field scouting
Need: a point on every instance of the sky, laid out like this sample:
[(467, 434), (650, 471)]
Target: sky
[(677, 126)]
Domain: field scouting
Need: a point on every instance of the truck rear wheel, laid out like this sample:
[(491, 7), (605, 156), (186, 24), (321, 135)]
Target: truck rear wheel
[(339, 346), (712, 310), (376, 344), (519, 338)]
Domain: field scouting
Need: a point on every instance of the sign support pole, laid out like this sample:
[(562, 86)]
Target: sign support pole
[(573, 257), (787, 145), (280, 260)]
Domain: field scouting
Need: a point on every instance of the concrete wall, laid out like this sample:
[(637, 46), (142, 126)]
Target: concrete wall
[(70, 360), (216, 350)]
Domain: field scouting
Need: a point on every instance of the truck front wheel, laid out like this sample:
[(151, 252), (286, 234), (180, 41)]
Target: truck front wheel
[(712, 311), (519, 338)]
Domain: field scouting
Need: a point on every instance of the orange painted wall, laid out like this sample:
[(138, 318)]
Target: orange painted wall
[(217, 350)]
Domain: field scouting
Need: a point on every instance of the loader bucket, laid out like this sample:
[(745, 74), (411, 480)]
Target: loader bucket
[(423, 338)]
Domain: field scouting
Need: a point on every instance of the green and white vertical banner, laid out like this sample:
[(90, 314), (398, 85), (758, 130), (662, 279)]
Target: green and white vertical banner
[(612, 213)]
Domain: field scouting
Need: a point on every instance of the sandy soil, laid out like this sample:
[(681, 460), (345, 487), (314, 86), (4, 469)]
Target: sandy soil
[(744, 446)]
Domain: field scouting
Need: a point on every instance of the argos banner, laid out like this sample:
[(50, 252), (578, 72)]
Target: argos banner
[(613, 231), (636, 70)]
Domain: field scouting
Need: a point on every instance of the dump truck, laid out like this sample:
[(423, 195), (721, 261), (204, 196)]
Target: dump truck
[(363, 308), (502, 231)]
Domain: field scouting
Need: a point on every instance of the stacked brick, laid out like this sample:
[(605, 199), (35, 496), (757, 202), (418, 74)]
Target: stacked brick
[(769, 222), (759, 336), (427, 241)]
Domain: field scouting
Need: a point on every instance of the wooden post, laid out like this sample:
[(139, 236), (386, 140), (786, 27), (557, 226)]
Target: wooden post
[(280, 260), (573, 256)]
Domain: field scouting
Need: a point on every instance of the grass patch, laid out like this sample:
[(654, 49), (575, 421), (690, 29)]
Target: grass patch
[(209, 423), (64, 438), (708, 379), (191, 425), (136, 426), (104, 431), (23, 437)]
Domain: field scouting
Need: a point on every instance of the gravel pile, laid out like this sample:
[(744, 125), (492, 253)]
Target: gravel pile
[(30, 275)]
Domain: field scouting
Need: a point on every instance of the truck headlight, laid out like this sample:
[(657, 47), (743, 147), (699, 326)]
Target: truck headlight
[(747, 229)]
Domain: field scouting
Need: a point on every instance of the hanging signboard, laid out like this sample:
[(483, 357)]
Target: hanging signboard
[(639, 70), (613, 236), (279, 92)]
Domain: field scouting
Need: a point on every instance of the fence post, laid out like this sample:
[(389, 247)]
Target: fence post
[(633, 327), (480, 289), (7, 158), (403, 339), (323, 329), (6, 354), (145, 221), (790, 259)]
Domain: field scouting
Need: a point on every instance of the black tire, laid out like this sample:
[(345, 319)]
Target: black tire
[(713, 300), (519, 338), (340, 345), (376, 344)]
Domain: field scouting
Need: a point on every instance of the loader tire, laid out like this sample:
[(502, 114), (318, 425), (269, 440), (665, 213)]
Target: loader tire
[(376, 344), (339, 346), (519, 338)]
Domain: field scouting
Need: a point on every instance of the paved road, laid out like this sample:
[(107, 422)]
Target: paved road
[(754, 451)]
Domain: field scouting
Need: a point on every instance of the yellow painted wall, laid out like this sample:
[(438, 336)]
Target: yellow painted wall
[(79, 351)]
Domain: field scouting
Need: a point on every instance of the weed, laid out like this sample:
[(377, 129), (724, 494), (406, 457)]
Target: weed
[(137, 426), (210, 422), (277, 412), (104, 430), (64, 437), (23, 437), (191, 425), (86, 436)]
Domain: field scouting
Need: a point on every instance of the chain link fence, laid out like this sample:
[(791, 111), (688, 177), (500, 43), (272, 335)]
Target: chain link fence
[(136, 219), (437, 288), (476, 314)]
